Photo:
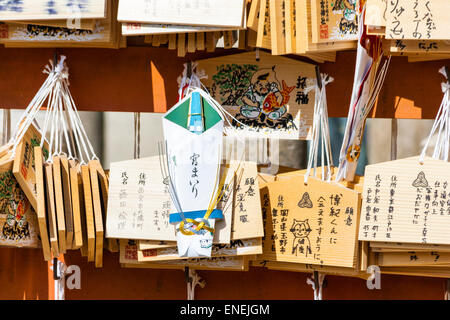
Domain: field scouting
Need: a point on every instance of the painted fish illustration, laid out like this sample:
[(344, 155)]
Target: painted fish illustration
[(271, 103)]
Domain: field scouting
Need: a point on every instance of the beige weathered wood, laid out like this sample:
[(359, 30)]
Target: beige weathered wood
[(420, 46), (51, 207), (419, 213), (200, 40), (139, 29), (89, 210), (67, 197), (59, 202), (424, 20), (39, 10), (41, 211), (220, 13)]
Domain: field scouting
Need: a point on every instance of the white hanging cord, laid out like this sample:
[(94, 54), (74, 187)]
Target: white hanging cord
[(317, 291), (320, 130), (194, 280), (440, 125)]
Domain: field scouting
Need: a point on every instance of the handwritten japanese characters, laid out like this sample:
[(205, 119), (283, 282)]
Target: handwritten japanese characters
[(405, 201), (265, 98), (417, 19), (139, 202), (314, 224), (51, 10), (223, 13)]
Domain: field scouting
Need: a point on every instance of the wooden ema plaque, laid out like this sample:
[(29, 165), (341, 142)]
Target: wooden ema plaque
[(23, 168), (405, 201), (18, 221), (267, 95), (51, 10), (315, 223), (418, 20)]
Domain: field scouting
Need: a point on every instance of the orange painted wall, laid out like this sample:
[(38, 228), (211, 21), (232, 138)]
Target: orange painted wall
[(121, 80)]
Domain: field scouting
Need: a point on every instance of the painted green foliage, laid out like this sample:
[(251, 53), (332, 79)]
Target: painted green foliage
[(232, 81)]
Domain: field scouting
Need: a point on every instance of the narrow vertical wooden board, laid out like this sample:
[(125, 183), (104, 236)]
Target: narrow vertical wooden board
[(67, 197), (98, 215), (227, 39), (277, 26), (41, 211), (263, 34), (253, 14), (181, 45), (84, 232), (51, 209), (191, 42), (59, 201), (156, 40), (289, 9), (148, 39), (242, 40), (76, 205), (200, 40), (210, 42), (163, 39), (172, 41), (89, 210)]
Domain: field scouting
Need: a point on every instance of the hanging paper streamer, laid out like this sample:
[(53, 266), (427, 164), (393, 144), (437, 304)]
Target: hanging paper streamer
[(368, 80), (193, 169)]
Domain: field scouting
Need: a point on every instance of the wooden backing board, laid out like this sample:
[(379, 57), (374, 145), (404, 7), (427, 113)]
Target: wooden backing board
[(89, 213), (41, 206), (59, 202)]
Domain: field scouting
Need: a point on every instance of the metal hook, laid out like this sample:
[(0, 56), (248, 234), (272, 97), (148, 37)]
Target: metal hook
[(55, 269), (319, 78)]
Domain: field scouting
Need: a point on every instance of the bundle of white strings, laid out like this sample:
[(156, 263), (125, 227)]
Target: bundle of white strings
[(320, 131), (61, 119), (441, 125)]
